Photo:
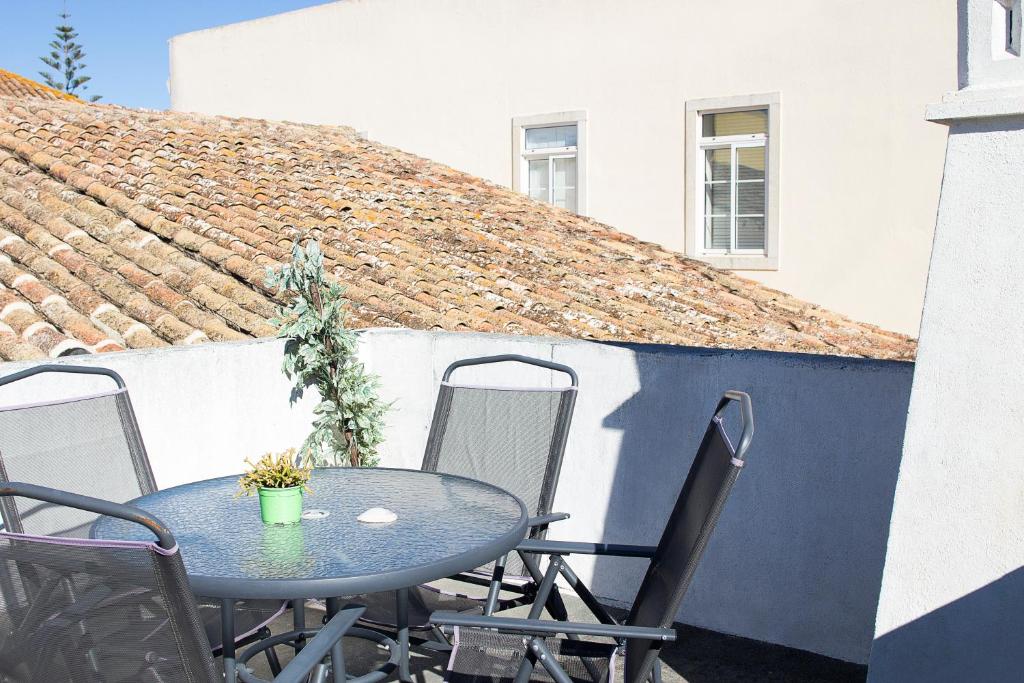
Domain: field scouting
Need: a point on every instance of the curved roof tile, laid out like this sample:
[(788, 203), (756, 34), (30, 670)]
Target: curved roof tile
[(13, 85), (147, 228)]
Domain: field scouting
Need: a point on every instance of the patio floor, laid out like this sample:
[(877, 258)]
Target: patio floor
[(698, 656)]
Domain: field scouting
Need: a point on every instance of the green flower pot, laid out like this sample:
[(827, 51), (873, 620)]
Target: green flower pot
[(281, 506)]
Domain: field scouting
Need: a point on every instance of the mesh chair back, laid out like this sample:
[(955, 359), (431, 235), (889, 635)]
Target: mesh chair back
[(91, 611), (707, 486), (89, 445), (511, 437)]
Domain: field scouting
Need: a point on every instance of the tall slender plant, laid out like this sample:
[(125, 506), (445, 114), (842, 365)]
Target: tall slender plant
[(322, 352), (65, 59)]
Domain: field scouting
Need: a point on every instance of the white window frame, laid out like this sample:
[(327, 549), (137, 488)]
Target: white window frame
[(696, 143), (520, 155)]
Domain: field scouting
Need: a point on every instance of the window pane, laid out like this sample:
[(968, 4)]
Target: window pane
[(538, 179), (551, 136), (716, 233), (717, 199), (750, 163), (735, 123), (564, 183), (716, 164), (750, 233), (750, 198)]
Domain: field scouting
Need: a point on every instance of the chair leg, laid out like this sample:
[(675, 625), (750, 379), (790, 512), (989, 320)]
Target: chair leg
[(656, 671), (272, 661), (556, 606), (546, 586), (333, 605), (526, 667), (299, 621), (549, 598), (319, 674), (547, 660), (338, 663), (495, 588)]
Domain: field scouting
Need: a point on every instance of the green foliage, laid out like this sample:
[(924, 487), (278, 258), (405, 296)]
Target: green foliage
[(65, 59), (273, 472), (321, 352)]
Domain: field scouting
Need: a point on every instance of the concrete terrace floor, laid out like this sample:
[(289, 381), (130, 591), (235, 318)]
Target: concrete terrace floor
[(698, 656)]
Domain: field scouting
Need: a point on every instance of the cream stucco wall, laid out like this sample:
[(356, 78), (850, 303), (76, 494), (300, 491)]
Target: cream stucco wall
[(860, 168)]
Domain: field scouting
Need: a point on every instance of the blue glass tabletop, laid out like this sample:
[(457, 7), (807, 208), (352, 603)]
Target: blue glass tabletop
[(445, 525)]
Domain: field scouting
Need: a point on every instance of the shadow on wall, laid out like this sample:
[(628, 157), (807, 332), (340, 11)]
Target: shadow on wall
[(979, 637), (797, 556)]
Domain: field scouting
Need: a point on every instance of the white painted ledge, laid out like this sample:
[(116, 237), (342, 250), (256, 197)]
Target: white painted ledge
[(736, 262), (978, 103)]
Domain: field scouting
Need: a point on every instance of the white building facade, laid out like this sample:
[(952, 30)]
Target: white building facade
[(951, 605), (780, 139)]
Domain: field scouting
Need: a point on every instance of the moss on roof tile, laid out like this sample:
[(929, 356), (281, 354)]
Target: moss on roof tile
[(156, 228)]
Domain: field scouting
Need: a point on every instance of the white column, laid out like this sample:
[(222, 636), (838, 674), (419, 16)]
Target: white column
[(952, 601)]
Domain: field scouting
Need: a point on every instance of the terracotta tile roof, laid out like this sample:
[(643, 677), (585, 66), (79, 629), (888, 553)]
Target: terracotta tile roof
[(13, 85), (129, 229)]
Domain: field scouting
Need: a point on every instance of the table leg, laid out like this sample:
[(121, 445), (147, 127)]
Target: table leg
[(227, 635), (402, 614), (337, 656)]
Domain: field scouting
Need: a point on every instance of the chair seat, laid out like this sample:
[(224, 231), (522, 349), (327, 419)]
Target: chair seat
[(250, 617), (428, 598), (423, 600), (485, 656)]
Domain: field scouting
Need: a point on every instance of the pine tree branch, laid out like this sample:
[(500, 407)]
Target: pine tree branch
[(66, 60)]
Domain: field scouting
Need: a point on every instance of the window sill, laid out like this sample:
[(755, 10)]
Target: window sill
[(740, 262)]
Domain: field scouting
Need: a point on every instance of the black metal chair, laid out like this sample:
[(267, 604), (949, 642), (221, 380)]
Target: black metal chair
[(94, 611), (488, 648), (508, 436), (91, 445)]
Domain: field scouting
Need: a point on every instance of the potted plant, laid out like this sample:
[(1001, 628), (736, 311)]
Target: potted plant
[(322, 353), (280, 485)]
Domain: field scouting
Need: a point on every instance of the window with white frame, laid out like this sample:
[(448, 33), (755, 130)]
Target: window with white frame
[(549, 158), (734, 154), (733, 191), (549, 162)]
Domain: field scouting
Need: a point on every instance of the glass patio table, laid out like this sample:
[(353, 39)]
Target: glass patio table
[(445, 525)]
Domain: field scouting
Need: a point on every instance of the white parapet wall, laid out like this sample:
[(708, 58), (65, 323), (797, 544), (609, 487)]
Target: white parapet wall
[(797, 557)]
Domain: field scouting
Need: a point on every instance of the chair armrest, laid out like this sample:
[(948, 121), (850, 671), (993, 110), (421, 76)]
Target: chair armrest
[(544, 520), (97, 505), (316, 649), (543, 547), (543, 627)]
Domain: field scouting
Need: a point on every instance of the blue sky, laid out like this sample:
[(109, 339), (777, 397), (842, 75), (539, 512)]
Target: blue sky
[(125, 40)]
